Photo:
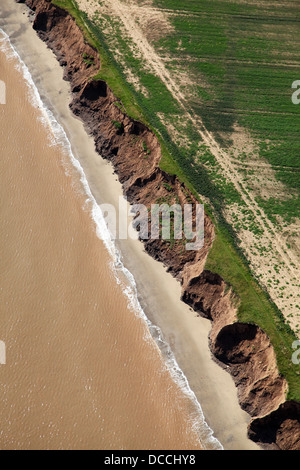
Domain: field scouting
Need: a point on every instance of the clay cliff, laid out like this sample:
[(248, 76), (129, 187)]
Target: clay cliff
[(135, 153)]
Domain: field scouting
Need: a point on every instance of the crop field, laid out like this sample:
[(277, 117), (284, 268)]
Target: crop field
[(214, 80)]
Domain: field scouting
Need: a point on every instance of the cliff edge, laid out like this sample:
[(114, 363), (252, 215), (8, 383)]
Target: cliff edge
[(244, 349)]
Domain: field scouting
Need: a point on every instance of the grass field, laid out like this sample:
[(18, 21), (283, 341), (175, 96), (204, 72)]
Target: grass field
[(213, 79)]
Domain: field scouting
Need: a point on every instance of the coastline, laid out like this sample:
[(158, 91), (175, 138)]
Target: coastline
[(189, 323), (75, 349)]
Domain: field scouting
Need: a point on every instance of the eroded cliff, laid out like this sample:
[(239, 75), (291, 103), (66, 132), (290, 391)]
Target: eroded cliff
[(135, 153)]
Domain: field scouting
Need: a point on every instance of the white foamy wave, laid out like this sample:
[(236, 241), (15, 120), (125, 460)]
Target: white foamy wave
[(123, 276)]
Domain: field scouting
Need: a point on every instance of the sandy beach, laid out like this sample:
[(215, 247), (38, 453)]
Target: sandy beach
[(159, 293), (82, 370)]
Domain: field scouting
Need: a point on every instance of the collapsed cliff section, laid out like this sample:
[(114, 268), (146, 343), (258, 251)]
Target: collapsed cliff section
[(280, 427), (135, 153)]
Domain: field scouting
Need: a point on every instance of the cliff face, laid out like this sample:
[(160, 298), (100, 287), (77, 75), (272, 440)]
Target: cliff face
[(135, 153), (280, 427)]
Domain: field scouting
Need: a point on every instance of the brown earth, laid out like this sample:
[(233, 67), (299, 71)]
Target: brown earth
[(245, 350)]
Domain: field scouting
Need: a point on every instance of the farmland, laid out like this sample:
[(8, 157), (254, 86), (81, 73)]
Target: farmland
[(213, 78)]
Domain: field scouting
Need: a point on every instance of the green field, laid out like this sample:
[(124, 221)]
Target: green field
[(234, 63), (248, 55)]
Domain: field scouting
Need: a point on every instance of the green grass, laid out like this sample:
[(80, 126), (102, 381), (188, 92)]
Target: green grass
[(246, 57), (233, 88)]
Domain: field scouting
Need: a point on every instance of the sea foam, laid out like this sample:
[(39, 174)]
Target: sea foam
[(58, 136)]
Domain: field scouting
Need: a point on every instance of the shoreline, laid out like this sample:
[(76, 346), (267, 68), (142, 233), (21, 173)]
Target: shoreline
[(206, 377), (88, 328), (181, 308)]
